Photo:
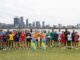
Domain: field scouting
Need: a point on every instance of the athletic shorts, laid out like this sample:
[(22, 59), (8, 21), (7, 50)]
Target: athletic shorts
[(16, 40), (28, 39), (5, 40), (76, 41), (48, 39), (68, 42)]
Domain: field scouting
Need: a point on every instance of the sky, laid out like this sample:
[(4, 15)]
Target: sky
[(66, 12)]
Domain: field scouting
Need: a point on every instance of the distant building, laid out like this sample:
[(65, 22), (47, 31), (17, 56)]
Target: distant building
[(38, 24), (54, 26), (47, 26), (27, 24), (59, 25), (34, 25), (78, 26), (16, 22), (30, 25), (21, 23), (43, 24)]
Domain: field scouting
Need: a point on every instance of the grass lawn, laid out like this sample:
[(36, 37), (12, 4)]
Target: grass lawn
[(49, 54)]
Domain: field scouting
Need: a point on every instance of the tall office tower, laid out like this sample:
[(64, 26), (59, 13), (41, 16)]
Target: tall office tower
[(33, 25), (27, 24), (38, 24), (21, 22), (43, 24), (16, 22)]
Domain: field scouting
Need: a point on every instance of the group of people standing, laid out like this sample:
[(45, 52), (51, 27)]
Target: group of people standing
[(22, 39), (63, 39)]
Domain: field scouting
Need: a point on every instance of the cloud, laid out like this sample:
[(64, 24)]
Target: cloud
[(51, 11)]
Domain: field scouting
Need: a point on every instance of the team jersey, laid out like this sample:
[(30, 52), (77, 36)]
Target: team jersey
[(22, 37), (36, 35), (17, 37), (28, 35), (11, 36), (69, 37), (1, 35), (43, 36)]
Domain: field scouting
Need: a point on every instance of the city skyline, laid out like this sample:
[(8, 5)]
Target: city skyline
[(18, 23), (51, 11)]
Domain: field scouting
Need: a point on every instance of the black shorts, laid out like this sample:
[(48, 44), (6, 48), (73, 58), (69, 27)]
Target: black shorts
[(28, 39), (73, 40), (5, 40), (68, 42)]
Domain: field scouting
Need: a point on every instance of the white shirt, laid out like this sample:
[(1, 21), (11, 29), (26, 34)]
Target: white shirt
[(69, 37)]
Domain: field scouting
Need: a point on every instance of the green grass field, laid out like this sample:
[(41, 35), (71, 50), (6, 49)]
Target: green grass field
[(49, 54)]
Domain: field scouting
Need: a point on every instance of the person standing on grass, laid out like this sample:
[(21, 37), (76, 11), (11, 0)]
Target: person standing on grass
[(11, 40), (7, 34), (63, 41), (55, 39), (5, 40), (69, 45), (28, 39), (66, 36), (1, 39), (73, 40), (52, 38), (48, 38), (36, 35), (59, 38), (43, 36), (22, 39), (76, 39), (16, 40)]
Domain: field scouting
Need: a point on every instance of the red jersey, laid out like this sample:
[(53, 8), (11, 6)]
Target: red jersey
[(76, 37), (22, 36), (63, 38)]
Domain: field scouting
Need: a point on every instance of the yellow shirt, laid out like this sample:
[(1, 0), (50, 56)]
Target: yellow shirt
[(11, 36), (36, 35)]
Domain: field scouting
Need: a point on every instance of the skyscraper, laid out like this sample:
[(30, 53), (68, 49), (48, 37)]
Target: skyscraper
[(21, 22), (27, 24), (33, 25), (43, 24), (16, 22), (38, 24)]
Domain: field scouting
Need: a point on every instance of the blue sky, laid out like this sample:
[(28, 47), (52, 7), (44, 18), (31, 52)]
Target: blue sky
[(51, 11)]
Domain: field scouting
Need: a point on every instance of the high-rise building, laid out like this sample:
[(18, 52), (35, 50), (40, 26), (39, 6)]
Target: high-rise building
[(59, 25), (43, 24), (38, 24), (27, 24), (33, 25), (21, 22), (30, 25), (16, 22), (77, 26)]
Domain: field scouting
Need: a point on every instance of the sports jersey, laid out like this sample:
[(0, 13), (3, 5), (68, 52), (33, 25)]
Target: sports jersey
[(11, 36)]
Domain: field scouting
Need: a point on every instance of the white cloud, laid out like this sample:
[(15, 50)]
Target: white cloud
[(51, 11)]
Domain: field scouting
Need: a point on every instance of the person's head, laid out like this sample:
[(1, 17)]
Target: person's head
[(76, 32), (1, 30), (63, 32), (14, 30), (73, 31), (10, 32)]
